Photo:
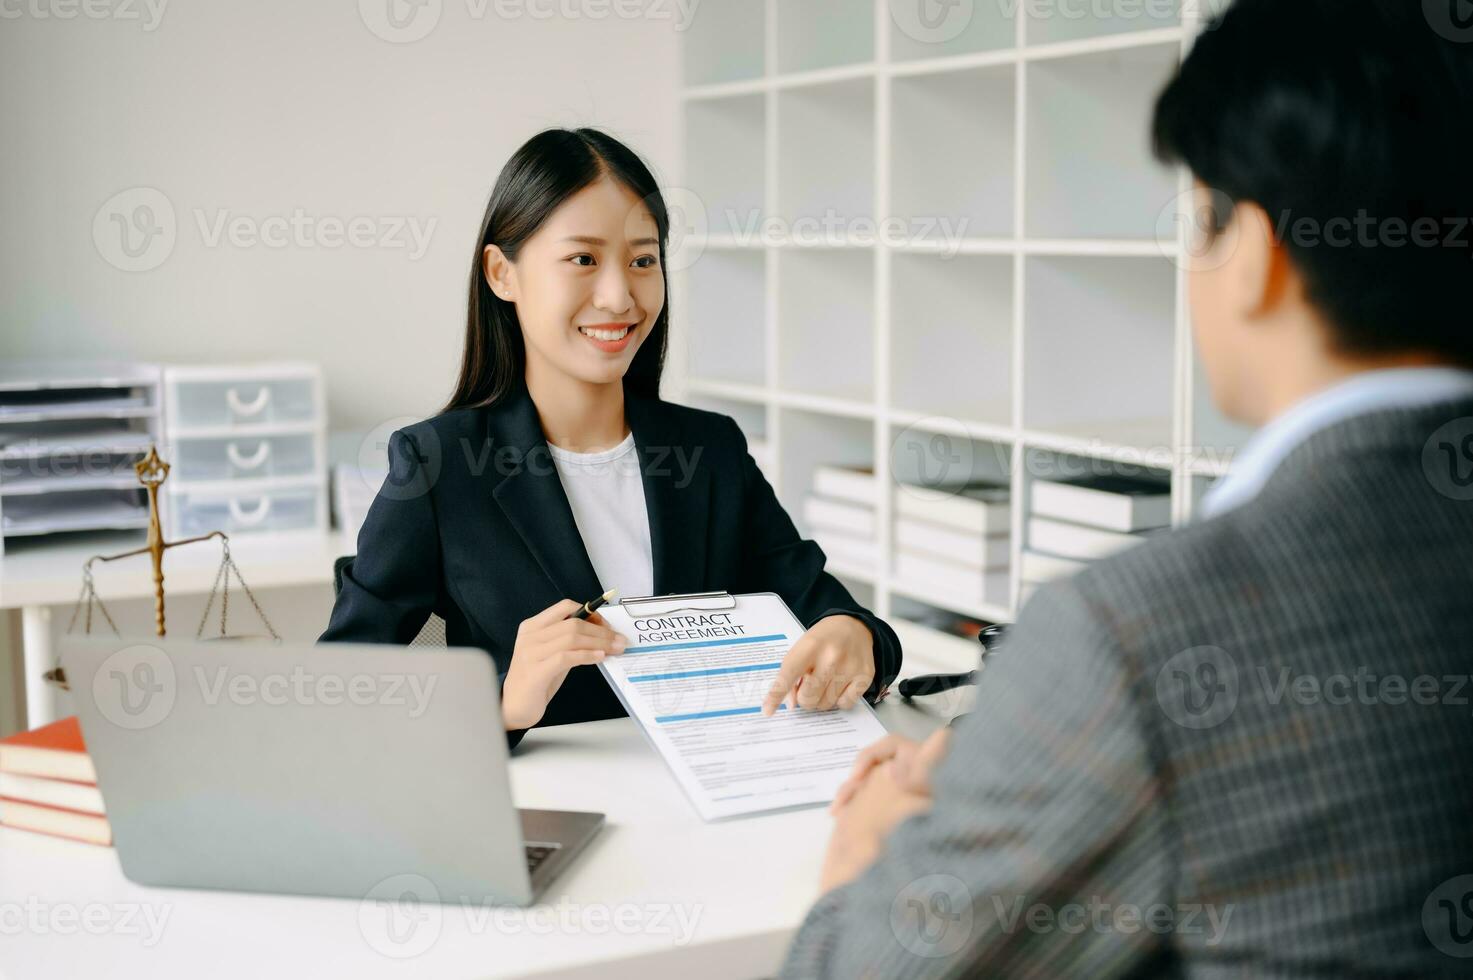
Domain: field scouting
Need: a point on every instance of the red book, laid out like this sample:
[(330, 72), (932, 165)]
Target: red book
[(55, 751), (88, 827)]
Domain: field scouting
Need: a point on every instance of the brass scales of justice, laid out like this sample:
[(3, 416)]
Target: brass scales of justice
[(152, 472)]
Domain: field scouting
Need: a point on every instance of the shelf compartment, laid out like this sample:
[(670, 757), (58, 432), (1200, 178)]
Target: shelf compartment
[(817, 34), (1099, 349), (69, 472), (83, 510), (951, 336), (71, 437), (63, 404), (953, 151), (809, 440), (826, 322), (826, 159), (724, 42), (725, 140), (751, 417), (1057, 21), (1090, 171), (727, 302)]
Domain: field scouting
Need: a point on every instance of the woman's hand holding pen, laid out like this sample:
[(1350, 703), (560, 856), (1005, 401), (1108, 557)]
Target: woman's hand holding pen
[(549, 645), (831, 665)]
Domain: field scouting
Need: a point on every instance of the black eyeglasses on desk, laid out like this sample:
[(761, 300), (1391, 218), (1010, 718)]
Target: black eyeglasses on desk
[(923, 684)]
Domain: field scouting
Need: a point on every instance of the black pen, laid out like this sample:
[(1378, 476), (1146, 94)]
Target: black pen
[(586, 610)]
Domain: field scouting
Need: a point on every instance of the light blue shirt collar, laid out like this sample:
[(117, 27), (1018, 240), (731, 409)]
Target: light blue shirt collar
[(1368, 391)]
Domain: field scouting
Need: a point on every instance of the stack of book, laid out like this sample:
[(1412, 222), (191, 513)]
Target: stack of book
[(48, 785), (840, 514), (953, 541), (1074, 522)]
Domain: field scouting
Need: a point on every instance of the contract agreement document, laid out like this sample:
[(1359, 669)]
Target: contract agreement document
[(694, 675)]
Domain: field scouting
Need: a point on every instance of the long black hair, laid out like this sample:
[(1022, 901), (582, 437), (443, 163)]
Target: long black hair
[(548, 169)]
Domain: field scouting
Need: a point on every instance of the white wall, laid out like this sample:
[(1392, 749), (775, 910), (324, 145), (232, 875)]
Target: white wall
[(260, 108)]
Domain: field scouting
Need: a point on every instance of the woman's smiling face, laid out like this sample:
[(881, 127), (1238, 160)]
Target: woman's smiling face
[(587, 285)]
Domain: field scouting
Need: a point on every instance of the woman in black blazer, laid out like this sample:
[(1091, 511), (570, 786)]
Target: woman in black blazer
[(474, 523)]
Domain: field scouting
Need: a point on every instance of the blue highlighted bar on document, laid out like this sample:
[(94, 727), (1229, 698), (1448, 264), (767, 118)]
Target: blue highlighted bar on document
[(723, 713), (711, 672), (697, 644)]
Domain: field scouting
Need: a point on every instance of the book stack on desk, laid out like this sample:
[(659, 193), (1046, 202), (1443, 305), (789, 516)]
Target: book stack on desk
[(48, 784), (1075, 522), (840, 514), (954, 541)]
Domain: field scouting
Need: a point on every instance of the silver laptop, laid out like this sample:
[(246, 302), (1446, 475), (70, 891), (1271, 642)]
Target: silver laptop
[(336, 769)]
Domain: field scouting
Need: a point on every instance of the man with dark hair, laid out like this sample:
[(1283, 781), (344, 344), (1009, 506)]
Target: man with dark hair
[(1242, 749)]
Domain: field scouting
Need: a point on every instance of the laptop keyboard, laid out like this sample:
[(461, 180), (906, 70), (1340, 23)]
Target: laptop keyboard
[(537, 853)]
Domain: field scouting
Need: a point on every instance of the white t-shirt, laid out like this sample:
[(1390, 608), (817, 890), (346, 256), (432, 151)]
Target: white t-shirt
[(606, 493)]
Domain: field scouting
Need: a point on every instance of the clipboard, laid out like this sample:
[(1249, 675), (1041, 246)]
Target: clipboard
[(719, 601)]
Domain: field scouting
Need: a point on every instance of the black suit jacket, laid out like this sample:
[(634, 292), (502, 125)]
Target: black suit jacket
[(473, 524)]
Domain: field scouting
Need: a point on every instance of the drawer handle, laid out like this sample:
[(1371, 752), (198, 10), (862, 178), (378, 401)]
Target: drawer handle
[(250, 518), (254, 461), (248, 409)]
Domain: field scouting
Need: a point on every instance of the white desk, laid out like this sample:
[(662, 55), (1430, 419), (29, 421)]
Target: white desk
[(742, 886), (36, 576)]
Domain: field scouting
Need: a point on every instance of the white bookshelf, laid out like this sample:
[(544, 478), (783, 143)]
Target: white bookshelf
[(1051, 335)]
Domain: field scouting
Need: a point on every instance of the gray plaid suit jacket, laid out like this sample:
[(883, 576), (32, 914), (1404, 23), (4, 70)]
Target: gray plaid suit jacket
[(1244, 749)]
